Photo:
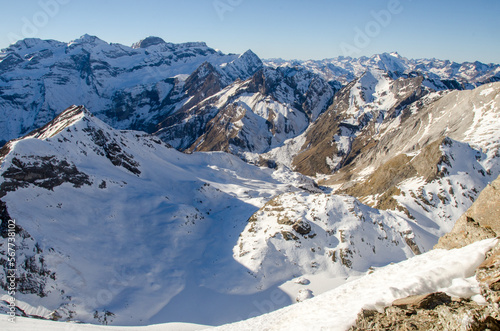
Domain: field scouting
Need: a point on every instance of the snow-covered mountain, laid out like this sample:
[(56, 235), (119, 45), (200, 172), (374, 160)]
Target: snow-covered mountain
[(139, 87), (207, 227), (450, 272), (441, 74), (421, 169), (359, 108), (131, 87), (255, 115), (118, 222)]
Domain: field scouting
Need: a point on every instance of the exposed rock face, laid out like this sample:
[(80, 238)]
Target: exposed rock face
[(149, 41), (249, 116), (430, 164), (481, 221), (302, 227), (488, 276), (46, 172), (340, 133), (426, 301), (128, 87)]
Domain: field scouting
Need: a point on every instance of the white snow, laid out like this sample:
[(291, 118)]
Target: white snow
[(50, 78), (345, 69), (438, 270), (146, 246), (487, 91)]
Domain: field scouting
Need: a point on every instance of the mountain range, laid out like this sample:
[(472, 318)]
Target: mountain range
[(145, 179)]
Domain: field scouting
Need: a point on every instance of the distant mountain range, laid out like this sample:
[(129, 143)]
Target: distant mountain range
[(438, 73), (146, 179)]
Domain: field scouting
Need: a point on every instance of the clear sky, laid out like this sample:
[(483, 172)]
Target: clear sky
[(458, 30)]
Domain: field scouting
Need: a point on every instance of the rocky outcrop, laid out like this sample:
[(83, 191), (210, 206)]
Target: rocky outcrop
[(149, 41), (444, 315), (438, 311), (488, 276), (481, 221), (47, 172), (32, 276)]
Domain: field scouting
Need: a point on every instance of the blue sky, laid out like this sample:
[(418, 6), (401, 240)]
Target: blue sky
[(315, 29)]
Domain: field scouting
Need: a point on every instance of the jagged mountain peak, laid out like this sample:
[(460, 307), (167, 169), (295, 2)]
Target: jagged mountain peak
[(64, 120), (202, 71), (443, 74), (395, 54), (249, 54), (240, 67), (391, 62)]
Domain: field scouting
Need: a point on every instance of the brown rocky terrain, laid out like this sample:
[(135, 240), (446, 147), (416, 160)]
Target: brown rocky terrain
[(433, 117), (335, 122)]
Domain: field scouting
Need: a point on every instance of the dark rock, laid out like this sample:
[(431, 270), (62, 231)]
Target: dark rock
[(113, 151), (426, 301), (47, 172), (454, 315), (302, 227)]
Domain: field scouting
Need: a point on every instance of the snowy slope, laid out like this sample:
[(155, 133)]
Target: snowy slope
[(439, 270), (118, 222), (308, 234), (420, 181), (432, 162)]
